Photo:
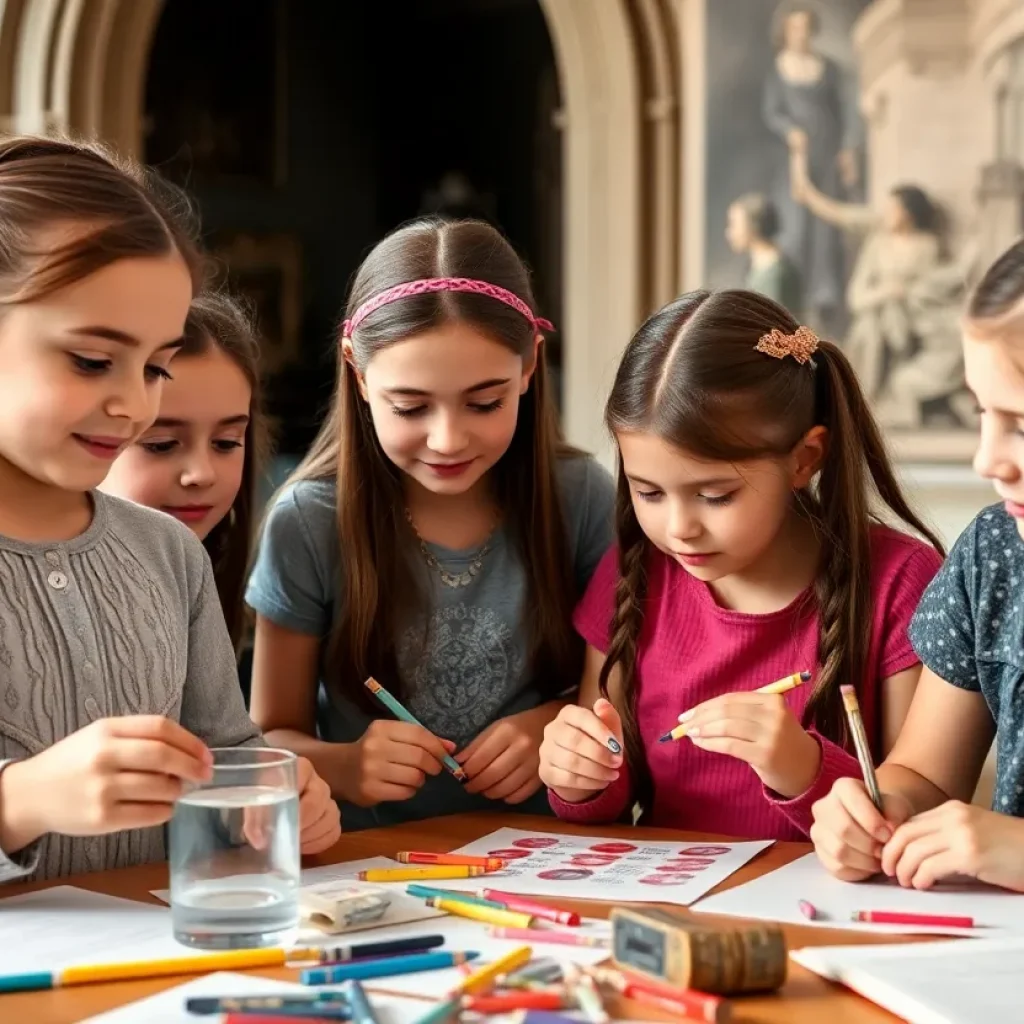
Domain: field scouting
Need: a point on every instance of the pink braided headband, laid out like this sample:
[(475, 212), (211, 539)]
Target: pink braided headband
[(443, 284)]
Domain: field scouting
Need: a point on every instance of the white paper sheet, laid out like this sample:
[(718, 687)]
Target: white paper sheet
[(976, 982), (594, 868), (774, 897), (168, 1007), (62, 926)]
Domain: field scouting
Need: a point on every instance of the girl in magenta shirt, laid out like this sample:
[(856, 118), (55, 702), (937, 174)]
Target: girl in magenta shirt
[(747, 551)]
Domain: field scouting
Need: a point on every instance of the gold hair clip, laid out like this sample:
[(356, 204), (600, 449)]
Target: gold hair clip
[(801, 344)]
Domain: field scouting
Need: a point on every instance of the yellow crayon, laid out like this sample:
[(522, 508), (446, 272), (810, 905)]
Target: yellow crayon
[(418, 873), (489, 915), (779, 686), (485, 978)]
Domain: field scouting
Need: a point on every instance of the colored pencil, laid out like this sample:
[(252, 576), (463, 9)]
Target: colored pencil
[(207, 1005), (898, 917), (416, 857), (402, 713), (329, 955), (362, 1008), (589, 999), (484, 978), (525, 906), (779, 686), (386, 967), (488, 915), (233, 960), (548, 935), (426, 892), (516, 1001), (435, 871), (687, 1002), (860, 743)]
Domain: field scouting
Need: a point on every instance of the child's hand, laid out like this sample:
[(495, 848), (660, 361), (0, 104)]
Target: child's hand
[(848, 831), (319, 817), (957, 839), (117, 773), (502, 761), (758, 728), (393, 760), (582, 751)]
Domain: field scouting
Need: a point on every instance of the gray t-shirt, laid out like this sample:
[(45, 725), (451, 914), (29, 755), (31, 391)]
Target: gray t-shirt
[(122, 620), (473, 670), (969, 630)]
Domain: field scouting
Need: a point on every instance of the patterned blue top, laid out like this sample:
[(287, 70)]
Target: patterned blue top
[(969, 629)]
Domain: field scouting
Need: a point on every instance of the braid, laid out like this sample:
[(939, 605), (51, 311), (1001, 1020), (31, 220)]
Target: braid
[(624, 637)]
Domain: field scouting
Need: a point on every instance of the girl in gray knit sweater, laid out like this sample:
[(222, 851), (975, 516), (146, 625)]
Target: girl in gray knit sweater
[(117, 673)]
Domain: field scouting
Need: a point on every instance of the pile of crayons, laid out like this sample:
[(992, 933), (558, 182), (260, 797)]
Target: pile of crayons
[(433, 867)]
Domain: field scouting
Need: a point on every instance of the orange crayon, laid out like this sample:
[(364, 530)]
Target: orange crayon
[(457, 859)]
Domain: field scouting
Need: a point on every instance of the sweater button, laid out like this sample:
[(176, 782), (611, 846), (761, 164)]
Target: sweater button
[(57, 580)]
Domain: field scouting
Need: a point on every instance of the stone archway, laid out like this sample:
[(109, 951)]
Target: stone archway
[(80, 66)]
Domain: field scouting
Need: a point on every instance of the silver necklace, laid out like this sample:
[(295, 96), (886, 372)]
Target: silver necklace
[(452, 579)]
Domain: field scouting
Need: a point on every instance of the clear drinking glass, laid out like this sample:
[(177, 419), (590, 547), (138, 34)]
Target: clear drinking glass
[(234, 853)]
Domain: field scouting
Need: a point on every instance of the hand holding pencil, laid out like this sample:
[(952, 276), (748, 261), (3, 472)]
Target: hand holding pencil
[(582, 751)]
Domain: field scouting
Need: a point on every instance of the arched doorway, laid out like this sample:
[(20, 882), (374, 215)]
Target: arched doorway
[(80, 65)]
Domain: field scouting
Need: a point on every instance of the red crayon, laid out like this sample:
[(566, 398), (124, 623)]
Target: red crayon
[(685, 1002), (456, 859), (525, 906), (899, 917), (515, 1001)]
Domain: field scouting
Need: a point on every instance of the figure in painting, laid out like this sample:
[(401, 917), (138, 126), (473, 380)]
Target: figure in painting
[(904, 297), (811, 107), (751, 228)]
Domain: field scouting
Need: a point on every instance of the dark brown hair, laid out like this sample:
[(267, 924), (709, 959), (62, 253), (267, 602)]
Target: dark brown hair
[(378, 585), (692, 376), (996, 308), (113, 210), (216, 320)]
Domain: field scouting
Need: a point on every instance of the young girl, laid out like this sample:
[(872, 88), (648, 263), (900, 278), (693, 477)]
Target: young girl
[(967, 632), (201, 459), (116, 669), (436, 538), (746, 552)]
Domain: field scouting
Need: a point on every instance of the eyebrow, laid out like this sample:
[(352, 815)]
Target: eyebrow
[(484, 385), (719, 481), (121, 337), (228, 421)]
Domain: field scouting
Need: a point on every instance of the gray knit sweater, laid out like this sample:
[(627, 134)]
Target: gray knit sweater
[(122, 620)]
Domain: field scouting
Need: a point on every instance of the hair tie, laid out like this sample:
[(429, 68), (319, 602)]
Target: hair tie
[(427, 285), (801, 344)]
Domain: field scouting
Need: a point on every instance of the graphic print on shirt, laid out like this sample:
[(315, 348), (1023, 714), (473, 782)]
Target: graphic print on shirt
[(464, 671)]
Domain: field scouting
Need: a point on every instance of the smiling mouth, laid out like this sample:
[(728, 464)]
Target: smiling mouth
[(102, 447)]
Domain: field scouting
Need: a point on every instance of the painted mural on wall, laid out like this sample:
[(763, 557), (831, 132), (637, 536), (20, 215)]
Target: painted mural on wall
[(791, 213)]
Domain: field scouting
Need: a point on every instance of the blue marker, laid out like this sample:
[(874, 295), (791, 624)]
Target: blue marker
[(384, 968)]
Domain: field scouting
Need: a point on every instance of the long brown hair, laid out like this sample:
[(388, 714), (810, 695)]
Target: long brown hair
[(113, 210), (692, 376), (217, 320), (379, 584)]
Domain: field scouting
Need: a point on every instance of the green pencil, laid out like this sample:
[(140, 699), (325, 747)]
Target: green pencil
[(407, 716)]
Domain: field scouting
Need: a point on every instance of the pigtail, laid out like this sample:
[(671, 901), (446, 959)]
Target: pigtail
[(843, 514), (624, 637)]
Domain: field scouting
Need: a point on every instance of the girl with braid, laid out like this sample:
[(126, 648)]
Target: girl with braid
[(747, 550)]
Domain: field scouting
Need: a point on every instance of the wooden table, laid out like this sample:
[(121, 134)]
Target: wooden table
[(805, 999)]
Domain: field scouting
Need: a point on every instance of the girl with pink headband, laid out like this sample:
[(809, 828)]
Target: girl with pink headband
[(436, 538)]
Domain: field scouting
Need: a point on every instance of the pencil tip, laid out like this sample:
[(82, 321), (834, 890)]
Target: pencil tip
[(665, 738), (805, 677)]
